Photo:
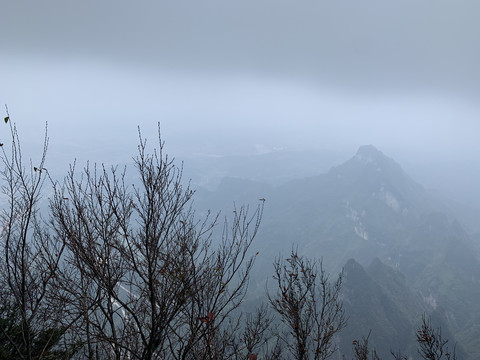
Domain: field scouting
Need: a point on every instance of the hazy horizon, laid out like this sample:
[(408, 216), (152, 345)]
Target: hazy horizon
[(245, 77)]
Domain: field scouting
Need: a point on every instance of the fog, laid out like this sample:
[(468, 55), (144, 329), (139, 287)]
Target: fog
[(246, 77)]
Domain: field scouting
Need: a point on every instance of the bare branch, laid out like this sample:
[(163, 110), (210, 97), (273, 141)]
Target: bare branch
[(309, 306)]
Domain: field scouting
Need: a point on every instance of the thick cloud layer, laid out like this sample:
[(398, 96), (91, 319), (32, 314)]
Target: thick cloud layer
[(372, 43), (235, 75)]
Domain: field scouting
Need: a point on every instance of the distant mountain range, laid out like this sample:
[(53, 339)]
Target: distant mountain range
[(274, 167), (404, 251)]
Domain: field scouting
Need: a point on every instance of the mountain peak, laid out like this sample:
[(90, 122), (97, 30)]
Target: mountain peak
[(371, 175), (369, 153)]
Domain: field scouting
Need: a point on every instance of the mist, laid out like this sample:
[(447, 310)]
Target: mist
[(231, 78)]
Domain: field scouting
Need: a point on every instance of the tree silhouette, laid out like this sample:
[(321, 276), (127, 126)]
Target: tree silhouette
[(432, 346), (31, 311), (309, 305), (147, 278)]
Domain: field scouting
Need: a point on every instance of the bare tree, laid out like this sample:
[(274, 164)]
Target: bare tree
[(253, 341), (309, 305), (150, 280), (32, 315), (361, 350), (432, 345)]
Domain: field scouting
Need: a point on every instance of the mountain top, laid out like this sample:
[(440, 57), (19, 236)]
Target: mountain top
[(369, 153), (370, 156)]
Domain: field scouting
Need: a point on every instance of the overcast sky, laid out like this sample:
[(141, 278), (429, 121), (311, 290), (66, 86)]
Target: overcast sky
[(235, 76)]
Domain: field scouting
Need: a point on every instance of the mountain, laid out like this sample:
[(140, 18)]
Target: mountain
[(365, 208), (272, 166), (370, 210), (378, 302), (381, 305)]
